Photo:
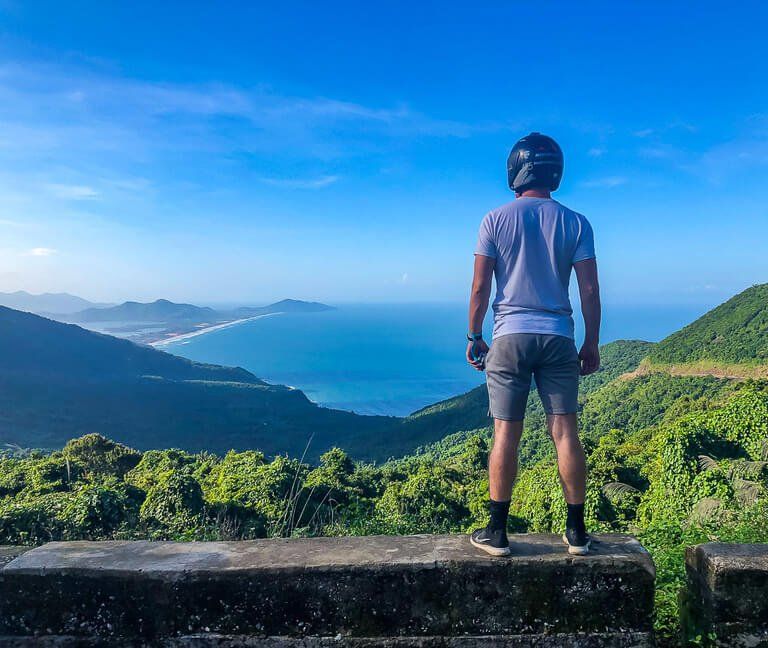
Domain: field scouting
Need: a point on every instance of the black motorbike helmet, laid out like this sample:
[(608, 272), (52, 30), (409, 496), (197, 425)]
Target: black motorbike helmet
[(535, 161)]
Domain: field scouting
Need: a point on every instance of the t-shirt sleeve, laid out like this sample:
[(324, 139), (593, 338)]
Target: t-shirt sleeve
[(486, 245), (585, 247)]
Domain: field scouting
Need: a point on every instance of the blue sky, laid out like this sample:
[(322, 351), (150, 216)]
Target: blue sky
[(340, 151)]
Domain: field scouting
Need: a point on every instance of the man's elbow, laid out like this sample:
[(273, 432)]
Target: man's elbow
[(590, 293), (480, 291)]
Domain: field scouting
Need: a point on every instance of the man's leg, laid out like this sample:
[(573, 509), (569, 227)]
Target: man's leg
[(502, 470), (557, 379), (502, 462), (572, 465), (571, 461), (508, 375)]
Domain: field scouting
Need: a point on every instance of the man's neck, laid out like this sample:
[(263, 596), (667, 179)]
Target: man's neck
[(535, 193)]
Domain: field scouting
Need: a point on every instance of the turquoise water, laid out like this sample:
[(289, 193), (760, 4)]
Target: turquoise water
[(383, 359)]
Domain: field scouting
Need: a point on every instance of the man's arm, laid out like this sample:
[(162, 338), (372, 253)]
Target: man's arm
[(589, 292), (478, 306)]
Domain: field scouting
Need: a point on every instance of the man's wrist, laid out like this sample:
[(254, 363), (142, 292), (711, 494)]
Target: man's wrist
[(474, 337)]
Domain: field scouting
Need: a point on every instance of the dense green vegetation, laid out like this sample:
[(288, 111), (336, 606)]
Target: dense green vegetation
[(735, 332), (680, 470), (674, 460)]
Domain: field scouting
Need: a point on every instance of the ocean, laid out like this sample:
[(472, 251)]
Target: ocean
[(384, 359)]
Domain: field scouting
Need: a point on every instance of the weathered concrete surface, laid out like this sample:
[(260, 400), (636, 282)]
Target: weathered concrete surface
[(727, 594), (602, 640), (352, 591), (9, 552)]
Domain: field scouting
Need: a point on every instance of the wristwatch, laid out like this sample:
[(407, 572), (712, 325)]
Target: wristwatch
[(474, 337)]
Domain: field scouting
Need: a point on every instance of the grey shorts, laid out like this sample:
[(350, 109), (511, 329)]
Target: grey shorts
[(551, 359)]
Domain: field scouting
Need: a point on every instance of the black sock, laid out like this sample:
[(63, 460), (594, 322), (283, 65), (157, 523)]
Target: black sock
[(575, 519), (499, 514)]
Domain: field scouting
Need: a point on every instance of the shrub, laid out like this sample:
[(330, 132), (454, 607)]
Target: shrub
[(98, 455)]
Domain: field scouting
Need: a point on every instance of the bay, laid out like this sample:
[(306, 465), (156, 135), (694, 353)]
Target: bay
[(387, 359)]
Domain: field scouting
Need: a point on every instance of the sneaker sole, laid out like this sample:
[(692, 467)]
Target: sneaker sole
[(577, 551), (493, 551)]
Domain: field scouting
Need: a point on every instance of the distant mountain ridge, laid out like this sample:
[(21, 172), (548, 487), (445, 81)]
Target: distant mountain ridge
[(160, 310), (283, 306), (58, 303), (163, 310)]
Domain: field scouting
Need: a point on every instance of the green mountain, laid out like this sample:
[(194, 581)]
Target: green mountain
[(734, 333), (161, 310), (59, 380)]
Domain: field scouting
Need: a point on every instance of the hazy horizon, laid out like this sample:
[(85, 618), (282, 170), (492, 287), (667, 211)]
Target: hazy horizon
[(705, 301)]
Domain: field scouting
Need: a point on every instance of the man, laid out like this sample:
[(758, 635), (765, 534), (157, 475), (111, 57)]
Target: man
[(530, 245)]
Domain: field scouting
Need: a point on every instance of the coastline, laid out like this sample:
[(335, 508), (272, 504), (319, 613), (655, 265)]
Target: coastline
[(207, 329)]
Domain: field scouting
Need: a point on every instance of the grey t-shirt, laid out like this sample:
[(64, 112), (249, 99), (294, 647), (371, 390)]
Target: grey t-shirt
[(535, 242)]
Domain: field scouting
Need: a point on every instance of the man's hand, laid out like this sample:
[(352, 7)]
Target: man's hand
[(590, 359), (476, 352)]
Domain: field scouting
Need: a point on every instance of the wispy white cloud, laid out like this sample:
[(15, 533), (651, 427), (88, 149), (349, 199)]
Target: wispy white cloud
[(596, 151), (742, 155), (41, 252), (47, 107), (72, 192), (683, 125), (607, 182), (738, 156), (658, 152), (676, 125), (302, 183)]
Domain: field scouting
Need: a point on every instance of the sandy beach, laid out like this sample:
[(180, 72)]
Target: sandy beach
[(207, 329)]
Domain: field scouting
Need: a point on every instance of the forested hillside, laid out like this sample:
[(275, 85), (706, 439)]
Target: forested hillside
[(735, 332), (700, 474), (59, 381)]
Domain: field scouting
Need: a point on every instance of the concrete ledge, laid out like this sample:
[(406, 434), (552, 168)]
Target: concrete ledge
[(9, 552), (602, 640), (415, 590), (727, 595)]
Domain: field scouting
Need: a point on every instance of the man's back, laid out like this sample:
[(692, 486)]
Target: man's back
[(531, 244), (535, 242)]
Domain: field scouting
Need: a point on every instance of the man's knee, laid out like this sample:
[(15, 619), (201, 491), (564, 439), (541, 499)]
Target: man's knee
[(563, 427), (507, 434)]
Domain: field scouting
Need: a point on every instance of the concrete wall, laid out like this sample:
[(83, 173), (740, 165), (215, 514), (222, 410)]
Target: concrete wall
[(425, 591), (726, 602)]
